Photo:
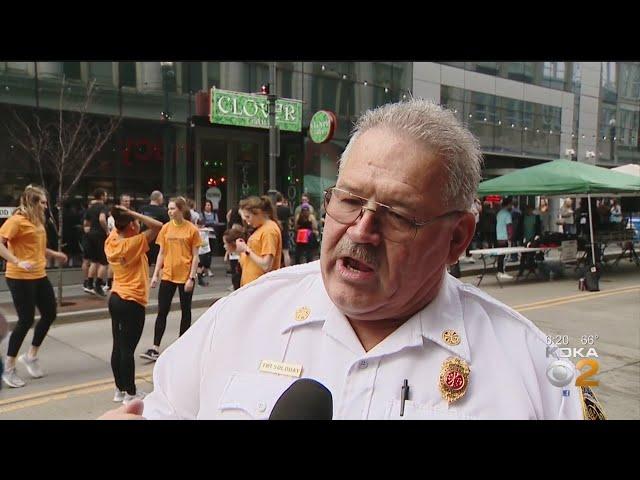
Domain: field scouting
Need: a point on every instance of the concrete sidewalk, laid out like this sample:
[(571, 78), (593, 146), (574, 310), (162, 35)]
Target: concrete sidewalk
[(84, 306)]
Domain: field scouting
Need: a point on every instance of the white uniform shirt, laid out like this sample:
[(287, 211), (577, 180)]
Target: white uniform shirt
[(213, 370)]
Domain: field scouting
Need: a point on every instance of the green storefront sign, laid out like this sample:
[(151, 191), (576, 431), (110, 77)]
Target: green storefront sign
[(322, 126), (248, 110)]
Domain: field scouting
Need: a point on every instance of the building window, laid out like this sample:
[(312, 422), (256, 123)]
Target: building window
[(258, 74), (285, 83), (191, 77), (554, 70), (102, 72), (213, 75), (71, 70), (489, 68), (630, 81), (127, 73)]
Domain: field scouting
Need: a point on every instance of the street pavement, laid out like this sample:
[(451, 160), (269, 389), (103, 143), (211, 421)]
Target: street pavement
[(79, 384)]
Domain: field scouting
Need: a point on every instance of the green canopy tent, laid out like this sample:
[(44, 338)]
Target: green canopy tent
[(563, 177)]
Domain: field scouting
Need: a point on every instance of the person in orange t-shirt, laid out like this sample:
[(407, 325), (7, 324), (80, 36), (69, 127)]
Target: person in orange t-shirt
[(26, 256), (179, 242), (263, 250), (126, 251)]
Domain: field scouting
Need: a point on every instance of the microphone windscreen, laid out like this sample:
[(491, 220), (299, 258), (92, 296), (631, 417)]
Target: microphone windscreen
[(305, 399)]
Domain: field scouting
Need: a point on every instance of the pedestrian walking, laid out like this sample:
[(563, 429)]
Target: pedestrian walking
[(306, 235)]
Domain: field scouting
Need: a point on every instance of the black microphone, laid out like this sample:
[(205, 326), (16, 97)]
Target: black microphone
[(305, 399)]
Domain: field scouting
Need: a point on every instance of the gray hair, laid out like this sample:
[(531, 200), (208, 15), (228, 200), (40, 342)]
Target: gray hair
[(155, 196), (438, 130)]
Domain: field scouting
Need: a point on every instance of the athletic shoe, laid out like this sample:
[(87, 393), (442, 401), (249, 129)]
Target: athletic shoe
[(504, 276), (210, 274), (119, 396), (150, 354), (32, 365), (99, 291), (11, 378), (86, 288), (128, 398)]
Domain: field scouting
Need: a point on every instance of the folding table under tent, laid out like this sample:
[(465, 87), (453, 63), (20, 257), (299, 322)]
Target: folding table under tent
[(564, 178)]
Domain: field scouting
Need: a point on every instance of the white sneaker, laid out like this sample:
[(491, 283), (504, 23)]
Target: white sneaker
[(504, 276), (11, 378), (119, 396), (128, 398), (210, 274), (32, 365)]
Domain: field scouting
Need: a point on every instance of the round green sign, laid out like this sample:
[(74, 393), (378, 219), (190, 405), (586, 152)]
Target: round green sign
[(322, 126)]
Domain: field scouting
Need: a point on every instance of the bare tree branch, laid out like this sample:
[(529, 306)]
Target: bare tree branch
[(65, 146)]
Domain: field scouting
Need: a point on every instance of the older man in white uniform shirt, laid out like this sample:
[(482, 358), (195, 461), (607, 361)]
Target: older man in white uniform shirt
[(378, 308)]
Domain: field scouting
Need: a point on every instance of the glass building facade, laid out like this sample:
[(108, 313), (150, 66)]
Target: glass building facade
[(166, 141), (525, 113)]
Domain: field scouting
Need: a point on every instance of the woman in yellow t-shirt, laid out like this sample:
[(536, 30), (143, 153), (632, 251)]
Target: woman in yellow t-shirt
[(263, 251), (126, 251), (26, 255), (179, 242)]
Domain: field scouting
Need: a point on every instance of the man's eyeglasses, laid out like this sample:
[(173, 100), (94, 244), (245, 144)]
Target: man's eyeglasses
[(346, 208)]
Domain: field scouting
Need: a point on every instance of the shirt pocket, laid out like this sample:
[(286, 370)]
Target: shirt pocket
[(417, 411), (252, 395)]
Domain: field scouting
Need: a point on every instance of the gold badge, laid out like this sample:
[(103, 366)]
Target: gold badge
[(451, 337), (591, 408), (302, 313), (454, 379), (280, 368)]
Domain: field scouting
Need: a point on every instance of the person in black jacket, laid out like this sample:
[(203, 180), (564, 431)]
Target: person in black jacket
[(487, 225), (156, 210)]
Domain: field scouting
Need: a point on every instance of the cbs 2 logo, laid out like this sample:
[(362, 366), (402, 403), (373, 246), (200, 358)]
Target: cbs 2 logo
[(561, 372)]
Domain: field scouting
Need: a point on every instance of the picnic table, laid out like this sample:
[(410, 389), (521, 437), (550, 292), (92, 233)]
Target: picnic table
[(494, 253)]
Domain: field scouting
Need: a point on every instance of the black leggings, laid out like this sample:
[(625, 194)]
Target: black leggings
[(236, 273), (127, 321), (499, 244), (27, 295), (204, 260), (306, 251), (165, 295)]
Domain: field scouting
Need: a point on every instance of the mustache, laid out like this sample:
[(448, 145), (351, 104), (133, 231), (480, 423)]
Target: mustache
[(358, 251)]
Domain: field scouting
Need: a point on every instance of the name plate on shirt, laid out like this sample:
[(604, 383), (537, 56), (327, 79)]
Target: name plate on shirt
[(279, 368)]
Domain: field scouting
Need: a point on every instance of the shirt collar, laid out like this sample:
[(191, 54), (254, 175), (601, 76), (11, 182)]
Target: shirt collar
[(443, 314)]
